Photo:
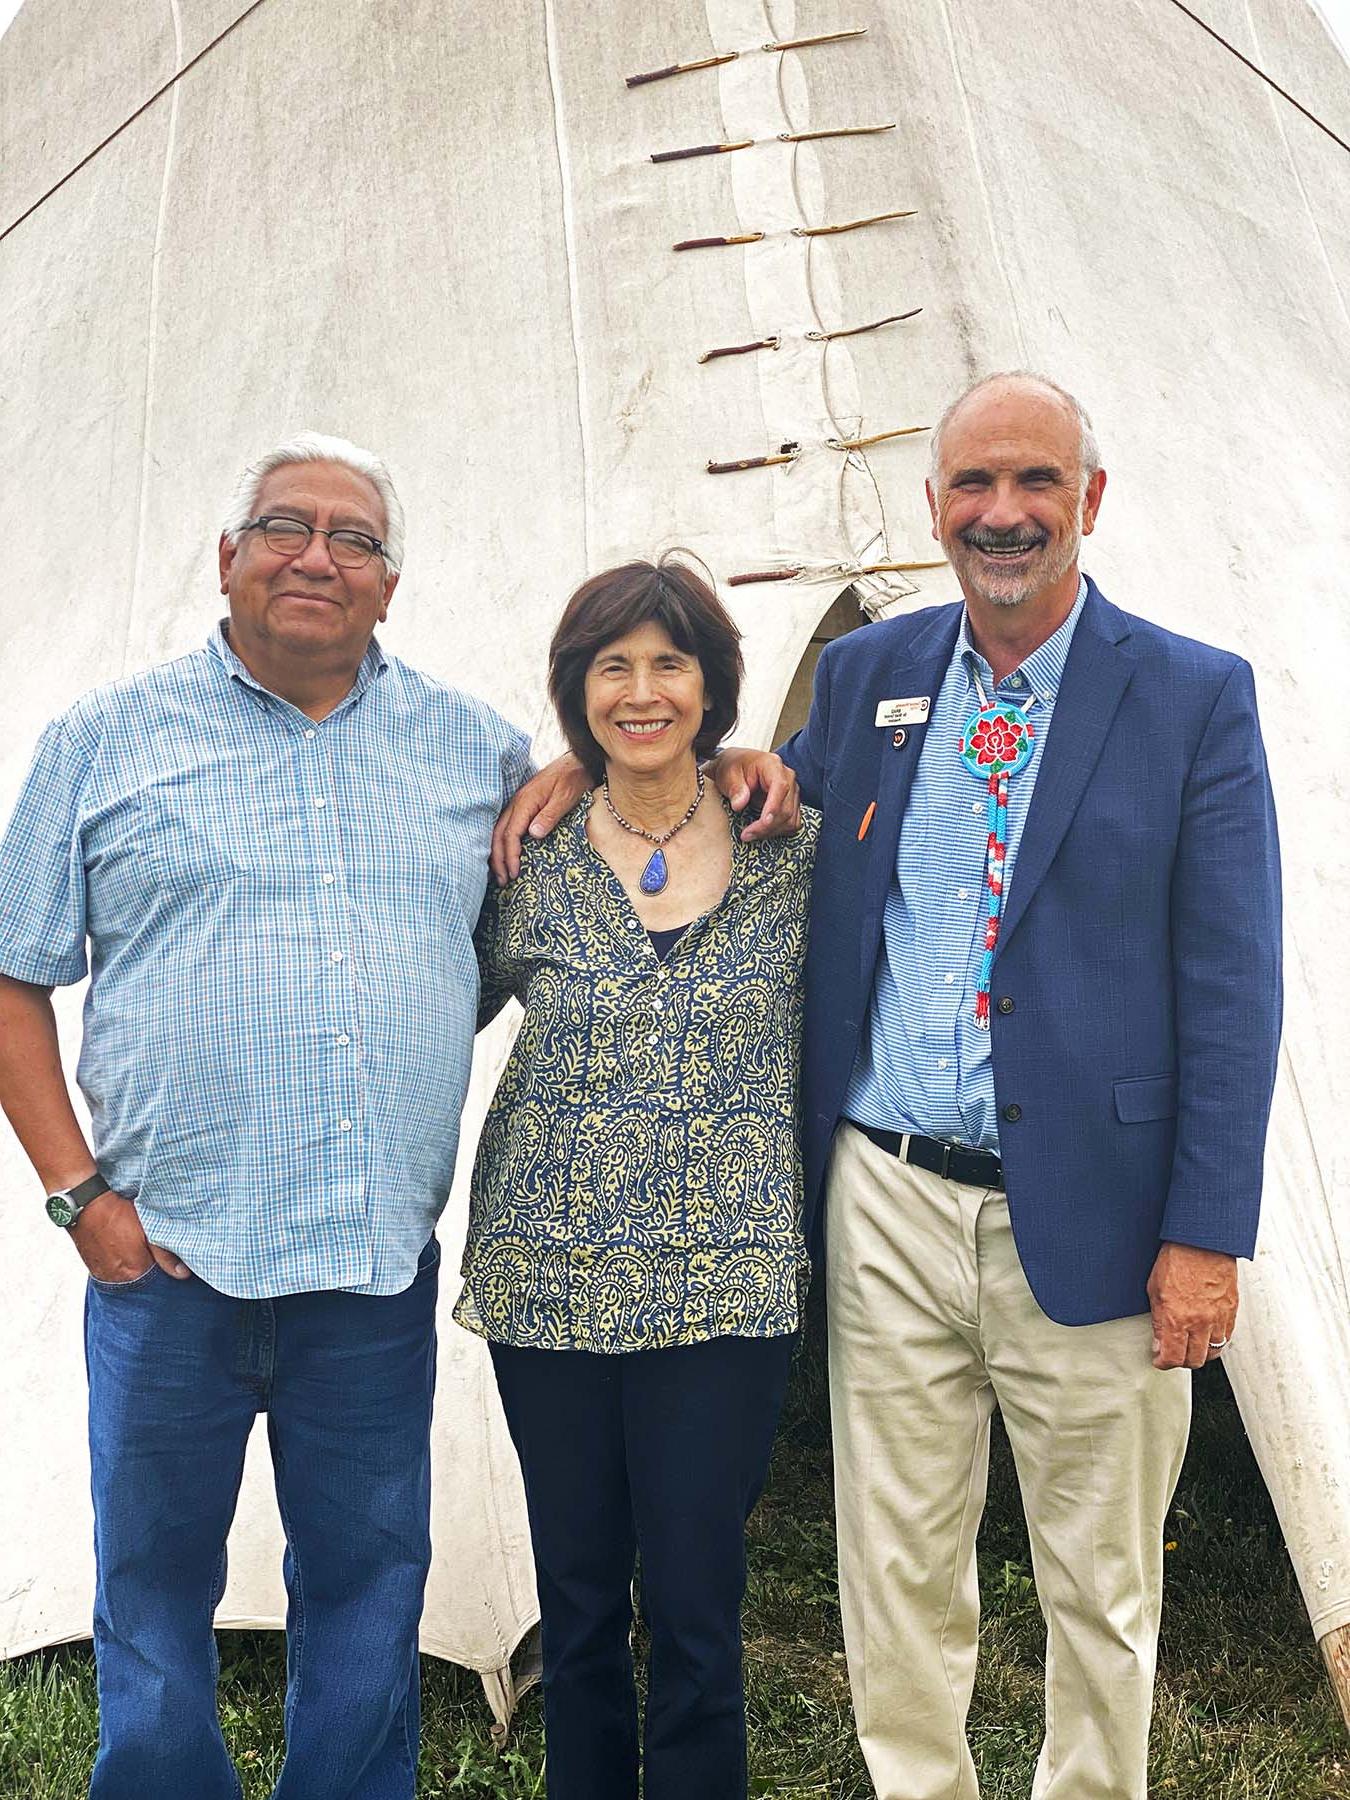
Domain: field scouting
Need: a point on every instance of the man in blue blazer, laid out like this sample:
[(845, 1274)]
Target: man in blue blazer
[(1043, 1010), (1039, 1053)]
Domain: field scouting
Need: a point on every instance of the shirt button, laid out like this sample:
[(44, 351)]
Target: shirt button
[(947, 980), (961, 893), (343, 1038), (329, 878), (319, 800), (978, 807), (942, 1062), (658, 1005), (309, 734), (337, 956), (344, 1124)]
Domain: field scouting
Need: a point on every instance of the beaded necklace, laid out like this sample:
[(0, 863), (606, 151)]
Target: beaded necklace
[(656, 873)]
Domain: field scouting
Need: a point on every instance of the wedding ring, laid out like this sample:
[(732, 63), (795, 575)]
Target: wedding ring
[(1217, 1343)]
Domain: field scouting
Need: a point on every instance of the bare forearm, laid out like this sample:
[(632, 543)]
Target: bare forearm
[(33, 1090)]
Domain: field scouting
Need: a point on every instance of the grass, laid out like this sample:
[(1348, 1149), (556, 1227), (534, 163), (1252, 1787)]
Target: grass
[(1243, 1711)]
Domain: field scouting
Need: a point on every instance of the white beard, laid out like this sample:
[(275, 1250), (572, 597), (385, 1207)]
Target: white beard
[(1017, 590)]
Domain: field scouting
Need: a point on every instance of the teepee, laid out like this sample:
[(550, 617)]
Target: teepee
[(586, 316)]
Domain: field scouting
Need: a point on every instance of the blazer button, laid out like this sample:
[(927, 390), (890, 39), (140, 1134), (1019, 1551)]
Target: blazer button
[(1012, 1113), (1005, 1005)]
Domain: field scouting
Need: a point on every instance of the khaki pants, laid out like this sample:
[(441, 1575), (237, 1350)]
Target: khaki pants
[(932, 1325)]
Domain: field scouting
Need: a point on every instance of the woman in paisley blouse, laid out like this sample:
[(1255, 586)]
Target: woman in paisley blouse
[(635, 1255)]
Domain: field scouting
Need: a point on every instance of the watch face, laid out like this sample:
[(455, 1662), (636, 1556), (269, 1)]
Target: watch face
[(60, 1211)]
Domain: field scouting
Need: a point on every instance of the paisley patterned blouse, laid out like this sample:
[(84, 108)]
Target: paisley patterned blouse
[(638, 1181)]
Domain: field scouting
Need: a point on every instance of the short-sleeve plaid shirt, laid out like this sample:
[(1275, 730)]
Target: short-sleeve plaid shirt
[(279, 916)]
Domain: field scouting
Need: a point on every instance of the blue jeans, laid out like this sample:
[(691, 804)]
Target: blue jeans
[(662, 1452), (177, 1373)]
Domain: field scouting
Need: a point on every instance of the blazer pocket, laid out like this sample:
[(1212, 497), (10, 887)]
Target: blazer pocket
[(1145, 1097), (844, 812)]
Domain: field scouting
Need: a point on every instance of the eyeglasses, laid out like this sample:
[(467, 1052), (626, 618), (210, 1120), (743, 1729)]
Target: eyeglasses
[(290, 537)]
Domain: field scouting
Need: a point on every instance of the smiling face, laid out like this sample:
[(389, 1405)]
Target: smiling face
[(645, 702), (306, 606), (1010, 507)]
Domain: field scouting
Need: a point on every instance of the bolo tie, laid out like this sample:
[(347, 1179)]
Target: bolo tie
[(996, 743)]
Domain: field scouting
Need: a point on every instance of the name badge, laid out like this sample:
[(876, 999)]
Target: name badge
[(904, 712)]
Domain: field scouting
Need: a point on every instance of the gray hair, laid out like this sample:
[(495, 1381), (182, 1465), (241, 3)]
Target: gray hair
[(313, 446), (1089, 456)]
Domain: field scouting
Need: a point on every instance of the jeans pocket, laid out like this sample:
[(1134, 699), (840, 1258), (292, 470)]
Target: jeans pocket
[(429, 1258), (127, 1287)]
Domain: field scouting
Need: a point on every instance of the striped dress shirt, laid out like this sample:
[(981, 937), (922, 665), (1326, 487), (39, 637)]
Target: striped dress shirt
[(279, 919), (924, 1066)]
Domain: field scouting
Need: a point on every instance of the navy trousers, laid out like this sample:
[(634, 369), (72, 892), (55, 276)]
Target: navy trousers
[(662, 1453), (177, 1374)]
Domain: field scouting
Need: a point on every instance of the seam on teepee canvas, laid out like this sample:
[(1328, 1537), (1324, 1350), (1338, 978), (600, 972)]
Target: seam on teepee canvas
[(1278, 114), (152, 335), (982, 180), (1323, 1185), (564, 156)]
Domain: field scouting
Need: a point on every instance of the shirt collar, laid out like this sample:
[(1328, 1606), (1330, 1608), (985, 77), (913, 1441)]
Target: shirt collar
[(372, 664), (1043, 670)]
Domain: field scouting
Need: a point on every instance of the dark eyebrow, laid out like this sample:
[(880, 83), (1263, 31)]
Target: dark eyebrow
[(971, 474), (1041, 472)]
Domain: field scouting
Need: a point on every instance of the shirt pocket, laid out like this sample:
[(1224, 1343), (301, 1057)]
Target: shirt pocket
[(1143, 1098), (204, 830)]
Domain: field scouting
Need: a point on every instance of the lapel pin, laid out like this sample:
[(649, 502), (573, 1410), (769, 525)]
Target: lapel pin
[(867, 818), (898, 741)]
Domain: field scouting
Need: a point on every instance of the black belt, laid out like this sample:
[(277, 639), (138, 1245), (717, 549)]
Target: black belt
[(972, 1168)]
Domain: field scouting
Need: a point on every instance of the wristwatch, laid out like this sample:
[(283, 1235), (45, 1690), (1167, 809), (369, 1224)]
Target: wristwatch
[(66, 1204)]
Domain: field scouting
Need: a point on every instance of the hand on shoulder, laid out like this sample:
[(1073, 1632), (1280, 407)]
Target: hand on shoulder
[(744, 775), (536, 808)]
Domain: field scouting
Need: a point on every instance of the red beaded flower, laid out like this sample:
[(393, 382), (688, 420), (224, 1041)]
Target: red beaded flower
[(995, 741)]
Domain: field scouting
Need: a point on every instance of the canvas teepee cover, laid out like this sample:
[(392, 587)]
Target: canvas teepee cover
[(438, 230)]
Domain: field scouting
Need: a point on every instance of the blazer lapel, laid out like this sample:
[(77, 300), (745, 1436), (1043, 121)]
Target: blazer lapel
[(1097, 672), (920, 668)]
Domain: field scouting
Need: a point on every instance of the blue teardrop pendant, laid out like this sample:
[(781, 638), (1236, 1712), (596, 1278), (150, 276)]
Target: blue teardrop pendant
[(655, 876)]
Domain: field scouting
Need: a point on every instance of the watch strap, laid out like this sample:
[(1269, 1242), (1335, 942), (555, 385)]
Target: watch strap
[(88, 1189)]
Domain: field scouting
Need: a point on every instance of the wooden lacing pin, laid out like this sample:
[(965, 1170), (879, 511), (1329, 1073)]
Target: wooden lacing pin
[(830, 571), (726, 56), (828, 337), (783, 137), (786, 453), (839, 131), (719, 243), (768, 343), (878, 437), (665, 156), (812, 231)]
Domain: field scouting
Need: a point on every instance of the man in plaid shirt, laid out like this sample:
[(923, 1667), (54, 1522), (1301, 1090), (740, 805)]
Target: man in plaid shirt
[(269, 855)]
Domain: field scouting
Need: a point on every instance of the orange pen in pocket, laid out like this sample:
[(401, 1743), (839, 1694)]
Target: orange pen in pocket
[(867, 818)]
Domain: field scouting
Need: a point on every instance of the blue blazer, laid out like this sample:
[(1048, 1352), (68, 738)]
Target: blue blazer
[(1136, 987)]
